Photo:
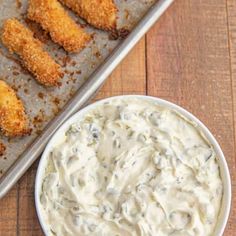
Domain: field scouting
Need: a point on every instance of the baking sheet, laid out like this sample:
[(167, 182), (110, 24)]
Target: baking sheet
[(43, 104)]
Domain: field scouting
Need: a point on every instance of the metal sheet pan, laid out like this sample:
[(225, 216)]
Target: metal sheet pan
[(84, 75)]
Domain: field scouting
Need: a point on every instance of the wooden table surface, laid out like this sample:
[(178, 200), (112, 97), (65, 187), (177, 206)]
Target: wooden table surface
[(188, 57)]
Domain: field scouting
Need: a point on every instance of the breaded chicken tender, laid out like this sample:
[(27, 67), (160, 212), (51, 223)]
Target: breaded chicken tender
[(101, 14), (13, 119), (62, 28), (19, 39)]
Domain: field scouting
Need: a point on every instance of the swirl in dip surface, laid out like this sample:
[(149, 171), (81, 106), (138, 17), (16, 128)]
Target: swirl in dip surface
[(131, 167)]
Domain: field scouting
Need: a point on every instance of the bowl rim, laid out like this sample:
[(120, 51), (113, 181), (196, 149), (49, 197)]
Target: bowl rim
[(224, 171)]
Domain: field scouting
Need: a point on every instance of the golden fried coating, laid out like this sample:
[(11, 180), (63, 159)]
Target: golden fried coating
[(19, 39), (13, 119), (62, 28), (2, 149), (99, 13)]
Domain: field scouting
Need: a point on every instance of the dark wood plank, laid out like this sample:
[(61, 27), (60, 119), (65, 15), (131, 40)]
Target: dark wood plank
[(8, 213), (27, 219), (231, 12), (189, 64)]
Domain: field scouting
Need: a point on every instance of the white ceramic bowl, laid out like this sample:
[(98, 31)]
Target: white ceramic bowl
[(226, 201)]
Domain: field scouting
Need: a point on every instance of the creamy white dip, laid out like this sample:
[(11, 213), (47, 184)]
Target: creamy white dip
[(131, 167)]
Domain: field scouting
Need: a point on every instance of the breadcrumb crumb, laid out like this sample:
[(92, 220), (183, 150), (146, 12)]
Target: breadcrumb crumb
[(2, 149)]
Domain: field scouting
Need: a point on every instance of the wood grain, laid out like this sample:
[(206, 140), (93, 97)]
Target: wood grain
[(27, 219), (129, 77), (188, 63), (8, 213), (231, 13)]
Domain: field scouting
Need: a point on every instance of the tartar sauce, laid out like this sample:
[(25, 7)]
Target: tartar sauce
[(131, 167)]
